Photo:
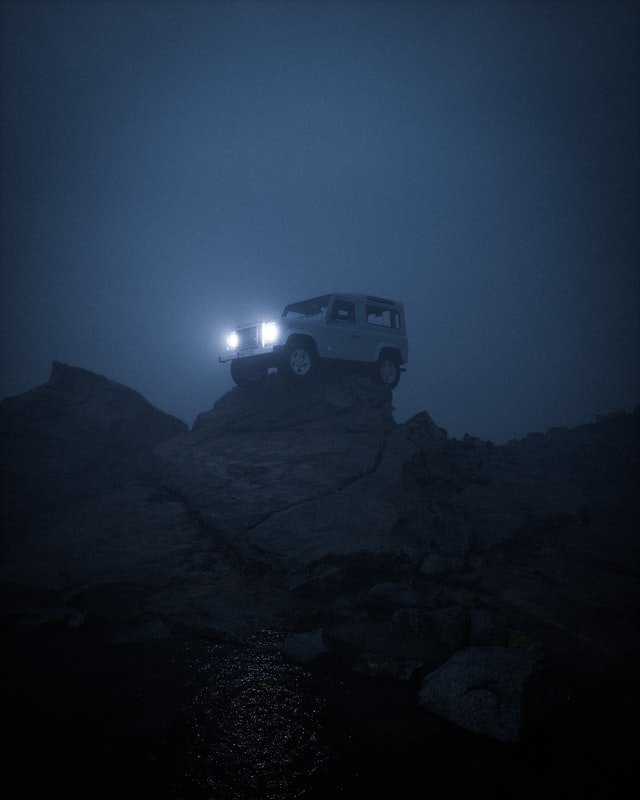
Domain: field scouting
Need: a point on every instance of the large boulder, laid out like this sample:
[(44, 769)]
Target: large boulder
[(278, 469), (335, 400), (482, 689)]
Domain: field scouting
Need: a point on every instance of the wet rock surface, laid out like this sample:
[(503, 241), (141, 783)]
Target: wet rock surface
[(266, 605)]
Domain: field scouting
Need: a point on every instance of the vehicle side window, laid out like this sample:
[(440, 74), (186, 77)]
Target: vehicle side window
[(386, 317), (344, 311)]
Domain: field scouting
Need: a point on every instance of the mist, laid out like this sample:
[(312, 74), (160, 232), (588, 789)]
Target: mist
[(170, 169)]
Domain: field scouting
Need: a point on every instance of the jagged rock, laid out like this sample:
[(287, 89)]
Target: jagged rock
[(374, 666), (486, 629), (448, 627), (331, 576), (237, 482), (386, 597), (358, 633), (435, 566), (327, 403), (77, 435), (411, 622), (303, 471), (437, 594), (592, 468), (255, 456), (482, 689)]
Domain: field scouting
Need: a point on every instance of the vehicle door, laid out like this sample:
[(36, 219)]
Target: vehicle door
[(342, 336)]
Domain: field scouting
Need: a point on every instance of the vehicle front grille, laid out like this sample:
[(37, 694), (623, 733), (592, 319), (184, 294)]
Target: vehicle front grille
[(248, 337)]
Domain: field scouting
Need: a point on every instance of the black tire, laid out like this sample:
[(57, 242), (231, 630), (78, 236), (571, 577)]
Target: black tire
[(248, 371), (387, 370), (299, 361)]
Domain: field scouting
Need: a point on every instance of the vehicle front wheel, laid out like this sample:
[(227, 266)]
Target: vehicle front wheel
[(387, 371), (248, 371), (299, 361)]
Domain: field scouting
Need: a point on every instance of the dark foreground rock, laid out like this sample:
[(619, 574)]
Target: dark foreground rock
[(300, 597)]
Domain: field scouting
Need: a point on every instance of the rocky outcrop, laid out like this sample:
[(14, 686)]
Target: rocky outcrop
[(77, 436), (388, 550), (292, 490)]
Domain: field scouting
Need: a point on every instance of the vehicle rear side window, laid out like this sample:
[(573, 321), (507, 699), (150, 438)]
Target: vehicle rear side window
[(386, 317)]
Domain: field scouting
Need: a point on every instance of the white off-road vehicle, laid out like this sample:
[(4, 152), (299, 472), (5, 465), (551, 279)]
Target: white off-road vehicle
[(354, 328)]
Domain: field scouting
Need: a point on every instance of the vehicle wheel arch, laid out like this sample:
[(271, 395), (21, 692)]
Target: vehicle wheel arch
[(301, 340), (304, 366), (387, 367), (386, 351)]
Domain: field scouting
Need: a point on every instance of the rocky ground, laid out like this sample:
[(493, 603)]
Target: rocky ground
[(301, 598)]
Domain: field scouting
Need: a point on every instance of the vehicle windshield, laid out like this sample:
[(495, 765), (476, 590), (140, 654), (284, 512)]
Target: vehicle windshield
[(308, 308)]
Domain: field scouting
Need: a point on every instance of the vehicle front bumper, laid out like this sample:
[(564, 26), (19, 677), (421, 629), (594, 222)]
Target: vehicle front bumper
[(249, 353)]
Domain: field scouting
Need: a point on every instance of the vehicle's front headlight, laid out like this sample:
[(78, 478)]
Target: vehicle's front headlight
[(270, 333), (233, 340)]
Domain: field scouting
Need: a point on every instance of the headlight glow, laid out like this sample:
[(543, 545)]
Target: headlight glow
[(270, 333), (233, 340)]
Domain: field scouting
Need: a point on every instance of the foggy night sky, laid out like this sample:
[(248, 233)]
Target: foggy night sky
[(170, 169)]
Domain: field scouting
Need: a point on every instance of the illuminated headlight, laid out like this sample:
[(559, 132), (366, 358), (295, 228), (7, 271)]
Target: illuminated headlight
[(270, 333), (233, 340)]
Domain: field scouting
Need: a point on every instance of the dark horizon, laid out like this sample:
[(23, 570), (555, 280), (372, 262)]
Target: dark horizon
[(171, 169)]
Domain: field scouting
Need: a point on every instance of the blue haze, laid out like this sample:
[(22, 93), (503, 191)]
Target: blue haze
[(171, 168)]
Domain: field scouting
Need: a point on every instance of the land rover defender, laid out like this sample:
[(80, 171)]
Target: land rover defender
[(358, 328)]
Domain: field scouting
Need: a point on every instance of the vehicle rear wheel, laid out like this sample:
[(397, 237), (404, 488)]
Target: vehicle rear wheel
[(299, 361), (248, 371), (387, 371)]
